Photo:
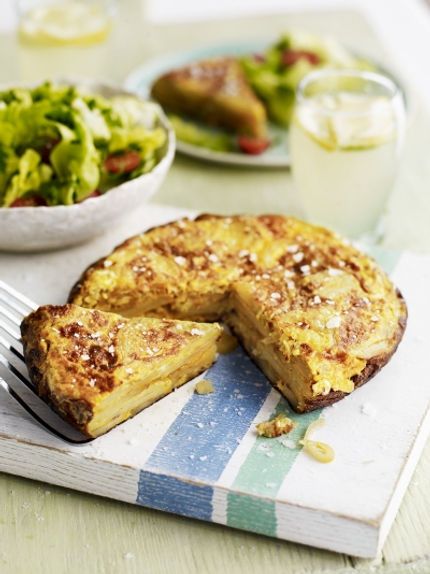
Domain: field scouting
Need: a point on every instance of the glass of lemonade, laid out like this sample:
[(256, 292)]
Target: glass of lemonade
[(64, 22), (345, 141)]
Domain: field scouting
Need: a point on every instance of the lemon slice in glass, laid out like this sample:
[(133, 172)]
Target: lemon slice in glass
[(69, 22), (348, 121)]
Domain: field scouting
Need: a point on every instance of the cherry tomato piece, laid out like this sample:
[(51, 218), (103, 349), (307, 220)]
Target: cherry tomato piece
[(30, 201), (122, 163), (290, 57), (252, 146), (46, 149)]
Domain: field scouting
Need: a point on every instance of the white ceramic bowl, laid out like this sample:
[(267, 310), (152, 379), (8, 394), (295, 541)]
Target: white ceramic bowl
[(43, 228)]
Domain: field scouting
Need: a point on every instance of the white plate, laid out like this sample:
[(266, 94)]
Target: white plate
[(42, 228), (141, 79)]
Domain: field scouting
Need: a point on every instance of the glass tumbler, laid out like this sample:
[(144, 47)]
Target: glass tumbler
[(345, 141), (65, 22)]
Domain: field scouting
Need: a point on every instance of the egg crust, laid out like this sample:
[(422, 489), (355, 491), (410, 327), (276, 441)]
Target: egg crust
[(214, 91), (318, 316), (97, 369)]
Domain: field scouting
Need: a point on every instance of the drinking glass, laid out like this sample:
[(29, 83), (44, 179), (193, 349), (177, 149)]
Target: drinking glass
[(345, 140), (65, 22)]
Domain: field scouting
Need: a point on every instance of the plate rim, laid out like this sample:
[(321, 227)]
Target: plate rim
[(167, 61)]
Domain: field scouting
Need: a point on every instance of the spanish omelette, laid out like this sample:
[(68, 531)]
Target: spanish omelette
[(97, 369), (214, 91), (317, 315)]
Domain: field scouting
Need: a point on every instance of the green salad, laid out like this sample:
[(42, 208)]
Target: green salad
[(275, 74), (60, 145)]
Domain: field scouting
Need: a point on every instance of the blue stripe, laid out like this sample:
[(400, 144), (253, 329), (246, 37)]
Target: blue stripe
[(202, 439), (173, 495)]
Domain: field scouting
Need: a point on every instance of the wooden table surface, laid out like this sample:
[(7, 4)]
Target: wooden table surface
[(47, 530)]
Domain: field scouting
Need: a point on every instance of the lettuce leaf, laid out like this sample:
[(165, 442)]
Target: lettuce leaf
[(30, 177)]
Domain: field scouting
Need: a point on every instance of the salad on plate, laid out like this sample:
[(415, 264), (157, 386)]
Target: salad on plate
[(241, 103)]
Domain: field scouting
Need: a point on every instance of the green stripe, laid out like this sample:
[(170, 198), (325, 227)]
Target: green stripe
[(262, 474)]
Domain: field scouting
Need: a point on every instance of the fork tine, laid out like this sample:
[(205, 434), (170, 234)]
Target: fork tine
[(49, 419), (13, 371), (11, 317), (19, 300), (22, 377), (11, 334), (14, 314)]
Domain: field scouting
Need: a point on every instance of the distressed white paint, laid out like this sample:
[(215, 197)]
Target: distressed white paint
[(347, 506)]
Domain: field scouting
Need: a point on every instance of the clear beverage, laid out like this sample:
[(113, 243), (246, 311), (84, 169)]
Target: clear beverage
[(345, 142), (65, 22)]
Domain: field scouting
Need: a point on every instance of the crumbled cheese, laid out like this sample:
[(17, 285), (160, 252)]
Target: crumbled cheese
[(92, 382), (322, 387), (212, 257), (129, 370), (79, 323), (305, 269), (374, 318), (275, 295), (111, 349), (316, 300), (107, 263), (333, 323), (288, 274), (292, 248), (197, 332), (333, 272), (243, 253), (297, 257), (85, 357), (180, 260)]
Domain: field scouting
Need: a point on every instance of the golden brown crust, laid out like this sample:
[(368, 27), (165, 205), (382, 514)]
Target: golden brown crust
[(372, 368), (214, 91), (79, 357), (320, 297)]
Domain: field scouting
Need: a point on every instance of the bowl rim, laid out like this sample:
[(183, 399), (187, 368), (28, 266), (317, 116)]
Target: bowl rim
[(98, 86)]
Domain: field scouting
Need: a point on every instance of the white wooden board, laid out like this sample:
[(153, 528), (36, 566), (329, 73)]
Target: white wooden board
[(199, 456)]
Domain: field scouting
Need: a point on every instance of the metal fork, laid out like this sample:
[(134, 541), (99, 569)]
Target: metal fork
[(14, 377)]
